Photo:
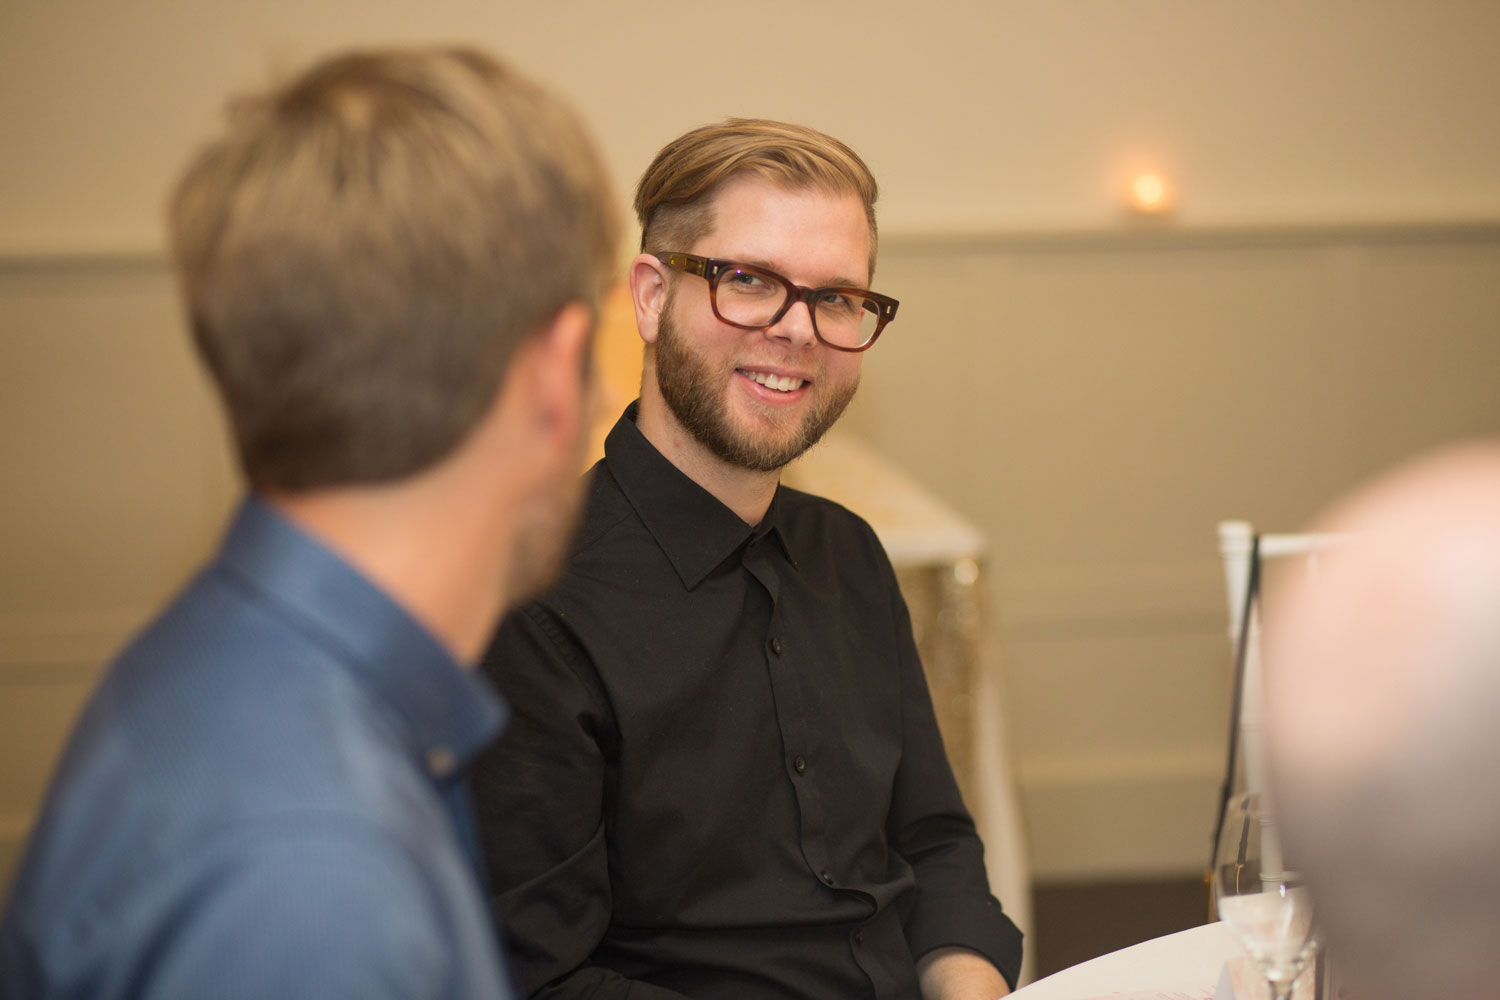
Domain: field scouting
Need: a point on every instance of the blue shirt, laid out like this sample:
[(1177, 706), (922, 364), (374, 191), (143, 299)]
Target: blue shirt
[(264, 798)]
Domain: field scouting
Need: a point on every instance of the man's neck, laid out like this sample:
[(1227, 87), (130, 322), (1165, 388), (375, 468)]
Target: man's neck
[(746, 492), (433, 557)]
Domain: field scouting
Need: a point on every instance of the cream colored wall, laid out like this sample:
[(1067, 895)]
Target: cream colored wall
[(1096, 405), (116, 482), (976, 114), (1095, 395)]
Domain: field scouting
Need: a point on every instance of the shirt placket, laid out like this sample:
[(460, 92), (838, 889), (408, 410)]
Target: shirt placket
[(799, 750), (795, 720)]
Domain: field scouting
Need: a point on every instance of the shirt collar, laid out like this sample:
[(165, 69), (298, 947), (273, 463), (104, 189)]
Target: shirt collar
[(444, 713), (692, 526)]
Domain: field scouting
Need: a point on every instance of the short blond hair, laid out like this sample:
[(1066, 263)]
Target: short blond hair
[(364, 248), (673, 200)]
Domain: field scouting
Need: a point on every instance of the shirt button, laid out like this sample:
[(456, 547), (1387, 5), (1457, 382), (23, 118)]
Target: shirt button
[(776, 645), (827, 878), (440, 762), (800, 763), (859, 935)]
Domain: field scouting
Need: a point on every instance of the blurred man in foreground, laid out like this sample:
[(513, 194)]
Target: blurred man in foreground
[(1384, 686), (725, 779), (390, 268)]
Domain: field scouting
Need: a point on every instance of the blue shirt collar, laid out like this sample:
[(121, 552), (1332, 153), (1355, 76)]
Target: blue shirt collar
[(444, 713)]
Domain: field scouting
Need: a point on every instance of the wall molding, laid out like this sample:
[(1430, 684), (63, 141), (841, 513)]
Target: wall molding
[(14, 829), (1107, 817), (1153, 234), (1082, 770), (63, 646), (1129, 234), (1109, 814), (1091, 601), (82, 260)]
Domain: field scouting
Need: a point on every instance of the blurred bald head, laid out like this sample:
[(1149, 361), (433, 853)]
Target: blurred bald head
[(1383, 671)]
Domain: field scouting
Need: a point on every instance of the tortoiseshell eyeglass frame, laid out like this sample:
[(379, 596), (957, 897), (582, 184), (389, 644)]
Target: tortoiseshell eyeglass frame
[(714, 268)]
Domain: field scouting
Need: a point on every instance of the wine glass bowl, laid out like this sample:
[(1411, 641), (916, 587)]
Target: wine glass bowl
[(1266, 905)]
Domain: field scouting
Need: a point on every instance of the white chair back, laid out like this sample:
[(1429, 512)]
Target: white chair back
[(1239, 549)]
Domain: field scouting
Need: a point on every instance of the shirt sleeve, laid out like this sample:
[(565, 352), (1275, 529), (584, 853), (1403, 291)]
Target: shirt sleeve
[(929, 827), (315, 915), (539, 801)]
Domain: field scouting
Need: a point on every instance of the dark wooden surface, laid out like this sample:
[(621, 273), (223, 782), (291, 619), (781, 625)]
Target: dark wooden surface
[(1075, 923)]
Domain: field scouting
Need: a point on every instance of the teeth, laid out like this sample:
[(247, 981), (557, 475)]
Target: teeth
[(781, 383)]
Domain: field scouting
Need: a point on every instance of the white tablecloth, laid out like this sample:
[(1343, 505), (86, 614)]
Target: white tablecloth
[(1187, 958)]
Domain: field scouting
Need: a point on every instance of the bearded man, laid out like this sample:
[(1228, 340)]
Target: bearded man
[(724, 777)]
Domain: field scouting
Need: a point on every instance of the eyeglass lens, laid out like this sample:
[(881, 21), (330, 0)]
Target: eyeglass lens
[(842, 316)]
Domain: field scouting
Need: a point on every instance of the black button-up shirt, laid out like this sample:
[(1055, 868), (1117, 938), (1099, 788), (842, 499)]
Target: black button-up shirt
[(723, 777)]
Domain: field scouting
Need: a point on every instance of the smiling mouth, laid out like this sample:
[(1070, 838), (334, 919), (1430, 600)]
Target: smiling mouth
[(780, 383)]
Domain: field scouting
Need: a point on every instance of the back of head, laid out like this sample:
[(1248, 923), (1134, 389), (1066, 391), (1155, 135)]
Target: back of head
[(674, 199), (363, 249), (1384, 692)]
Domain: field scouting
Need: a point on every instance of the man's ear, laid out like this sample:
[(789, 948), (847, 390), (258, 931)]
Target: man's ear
[(560, 374), (648, 291)]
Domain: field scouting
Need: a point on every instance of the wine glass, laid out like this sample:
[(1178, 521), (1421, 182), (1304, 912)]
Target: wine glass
[(1267, 907)]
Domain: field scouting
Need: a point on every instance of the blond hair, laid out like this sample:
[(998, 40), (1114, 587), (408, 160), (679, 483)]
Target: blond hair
[(363, 249), (674, 199)]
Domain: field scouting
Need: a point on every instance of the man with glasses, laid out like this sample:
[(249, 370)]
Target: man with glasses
[(724, 777)]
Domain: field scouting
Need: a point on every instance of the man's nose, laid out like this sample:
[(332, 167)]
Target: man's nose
[(796, 327)]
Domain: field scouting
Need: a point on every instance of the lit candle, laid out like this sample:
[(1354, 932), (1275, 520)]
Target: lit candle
[(1150, 194)]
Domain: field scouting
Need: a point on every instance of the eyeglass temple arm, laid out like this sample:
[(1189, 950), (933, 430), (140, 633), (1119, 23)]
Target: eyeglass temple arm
[(685, 262)]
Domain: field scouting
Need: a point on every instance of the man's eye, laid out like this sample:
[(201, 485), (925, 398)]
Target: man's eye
[(746, 280), (838, 302)]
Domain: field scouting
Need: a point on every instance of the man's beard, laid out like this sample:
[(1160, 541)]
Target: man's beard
[(698, 397)]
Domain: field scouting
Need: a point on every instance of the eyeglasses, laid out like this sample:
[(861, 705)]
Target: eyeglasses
[(753, 298)]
